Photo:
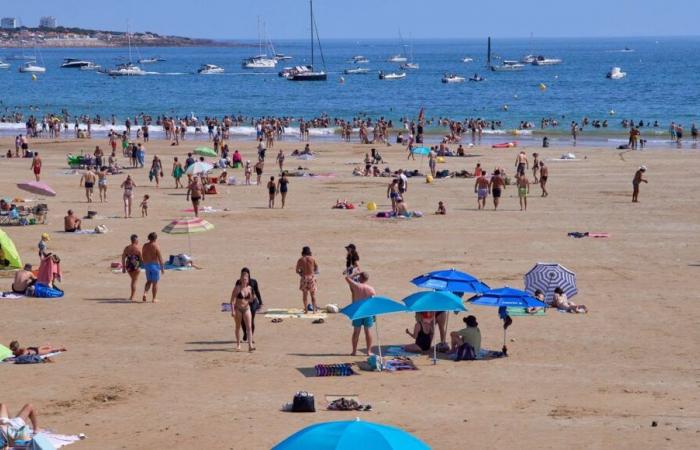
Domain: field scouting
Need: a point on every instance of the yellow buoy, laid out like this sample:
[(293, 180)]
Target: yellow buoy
[(33, 77), (371, 206), (543, 87), (429, 179), (440, 159)]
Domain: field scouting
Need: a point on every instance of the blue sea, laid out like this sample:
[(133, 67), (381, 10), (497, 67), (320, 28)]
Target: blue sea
[(662, 83)]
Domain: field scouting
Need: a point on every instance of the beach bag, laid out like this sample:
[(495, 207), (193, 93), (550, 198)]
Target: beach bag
[(303, 402), (44, 291), (101, 229), (28, 359), (41, 442)]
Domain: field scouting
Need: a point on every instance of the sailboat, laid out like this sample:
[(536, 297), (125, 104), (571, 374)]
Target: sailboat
[(31, 66), (411, 64), (127, 69), (401, 57), (312, 75), (505, 66), (262, 60)]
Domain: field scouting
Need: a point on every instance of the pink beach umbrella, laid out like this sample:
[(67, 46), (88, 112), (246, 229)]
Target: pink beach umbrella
[(37, 187)]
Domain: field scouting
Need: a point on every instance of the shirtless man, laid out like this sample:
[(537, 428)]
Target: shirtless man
[(482, 190), (360, 290), (544, 174), (307, 270), (195, 191), (89, 179), (496, 187), (523, 191), (638, 178), (23, 279), (153, 263), (36, 166), (521, 163), (71, 223), (131, 263)]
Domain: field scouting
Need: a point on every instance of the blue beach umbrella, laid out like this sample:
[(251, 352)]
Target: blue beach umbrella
[(420, 150), (351, 435), (450, 280), (506, 297), (370, 307), (426, 301), (548, 276)]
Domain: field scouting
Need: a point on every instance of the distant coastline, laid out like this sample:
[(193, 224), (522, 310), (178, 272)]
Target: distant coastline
[(62, 37)]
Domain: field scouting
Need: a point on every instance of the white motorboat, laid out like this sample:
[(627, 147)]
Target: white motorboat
[(616, 74), (452, 78), (359, 59), (392, 75), (467, 59), (397, 59), (30, 67), (356, 71), (259, 62), (126, 70), (151, 60), (282, 57), (508, 66), (312, 74), (4, 65), (528, 59), (542, 61), (91, 66), (73, 63), (210, 69), (410, 66)]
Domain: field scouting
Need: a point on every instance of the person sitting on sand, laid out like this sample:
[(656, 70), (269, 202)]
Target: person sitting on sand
[(402, 208), (71, 223), (23, 279), (441, 210), (423, 333), (41, 350), (15, 428), (470, 335), (562, 302)]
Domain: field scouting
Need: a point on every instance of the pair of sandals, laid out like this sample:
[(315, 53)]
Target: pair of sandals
[(319, 321), (276, 320)]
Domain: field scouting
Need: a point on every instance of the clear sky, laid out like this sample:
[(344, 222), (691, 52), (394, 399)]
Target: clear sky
[(364, 19)]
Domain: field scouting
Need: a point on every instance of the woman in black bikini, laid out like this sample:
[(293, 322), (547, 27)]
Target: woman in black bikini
[(423, 332), (241, 299), (282, 187), (272, 189)]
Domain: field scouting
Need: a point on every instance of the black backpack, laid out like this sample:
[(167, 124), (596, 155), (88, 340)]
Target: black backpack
[(303, 402)]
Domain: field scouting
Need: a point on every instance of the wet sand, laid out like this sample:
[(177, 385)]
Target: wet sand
[(167, 376)]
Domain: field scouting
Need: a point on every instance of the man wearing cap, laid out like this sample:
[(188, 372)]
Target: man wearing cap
[(23, 279), (638, 178), (470, 335), (360, 290), (43, 246)]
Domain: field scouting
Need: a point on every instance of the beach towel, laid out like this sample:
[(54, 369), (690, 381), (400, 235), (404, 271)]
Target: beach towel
[(334, 370), (12, 359), (292, 313), (203, 209), (59, 440), (485, 355), (522, 312), (10, 296), (82, 232), (169, 266), (398, 351), (399, 363)]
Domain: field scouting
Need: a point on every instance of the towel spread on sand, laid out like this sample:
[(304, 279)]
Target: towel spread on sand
[(48, 355), (292, 313), (59, 440), (166, 267), (398, 351), (522, 312), (10, 296)]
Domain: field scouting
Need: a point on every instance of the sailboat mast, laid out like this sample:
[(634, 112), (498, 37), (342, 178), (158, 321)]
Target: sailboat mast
[(488, 55), (311, 25)]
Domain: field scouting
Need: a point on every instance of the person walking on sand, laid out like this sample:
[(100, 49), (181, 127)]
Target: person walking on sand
[(280, 160), (496, 186), (272, 190), (131, 263), (153, 264), (482, 190), (544, 174), (432, 160), (535, 167), (88, 179), (36, 166), (393, 193), (521, 163), (177, 172), (255, 305), (102, 183), (259, 170), (282, 187), (523, 190), (242, 298), (638, 178), (307, 270), (360, 290), (128, 185), (195, 192), (156, 170), (248, 172)]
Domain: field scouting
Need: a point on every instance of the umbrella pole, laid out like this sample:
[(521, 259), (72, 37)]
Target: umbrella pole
[(435, 346), (189, 243), (379, 347)]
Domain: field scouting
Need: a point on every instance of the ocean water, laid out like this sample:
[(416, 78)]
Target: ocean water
[(662, 83)]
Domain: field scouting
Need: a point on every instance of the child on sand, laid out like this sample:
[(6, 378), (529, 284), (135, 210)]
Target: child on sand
[(144, 206), (441, 210)]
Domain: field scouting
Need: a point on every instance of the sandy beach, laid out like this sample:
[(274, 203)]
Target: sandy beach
[(166, 375)]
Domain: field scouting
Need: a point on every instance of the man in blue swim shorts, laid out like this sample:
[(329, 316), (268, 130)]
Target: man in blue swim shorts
[(153, 264), (360, 290)]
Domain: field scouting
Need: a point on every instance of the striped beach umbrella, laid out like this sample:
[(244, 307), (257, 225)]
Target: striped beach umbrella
[(199, 167), (188, 225), (548, 276)]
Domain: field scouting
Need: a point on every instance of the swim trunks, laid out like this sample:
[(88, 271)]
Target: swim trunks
[(152, 272), (522, 192), (496, 192), (89, 185), (367, 322), (521, 168), (307, 283), (482, 193)]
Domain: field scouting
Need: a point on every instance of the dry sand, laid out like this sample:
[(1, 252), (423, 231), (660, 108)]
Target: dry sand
[(145, 376)]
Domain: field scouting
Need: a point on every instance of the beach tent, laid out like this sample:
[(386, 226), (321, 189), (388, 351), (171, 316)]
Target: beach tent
[(9, 252), (4, 352)]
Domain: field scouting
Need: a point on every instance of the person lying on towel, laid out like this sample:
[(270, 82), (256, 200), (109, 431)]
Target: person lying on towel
[(41, 350)]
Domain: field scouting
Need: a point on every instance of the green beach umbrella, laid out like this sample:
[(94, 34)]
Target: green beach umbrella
[(205, 151)]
